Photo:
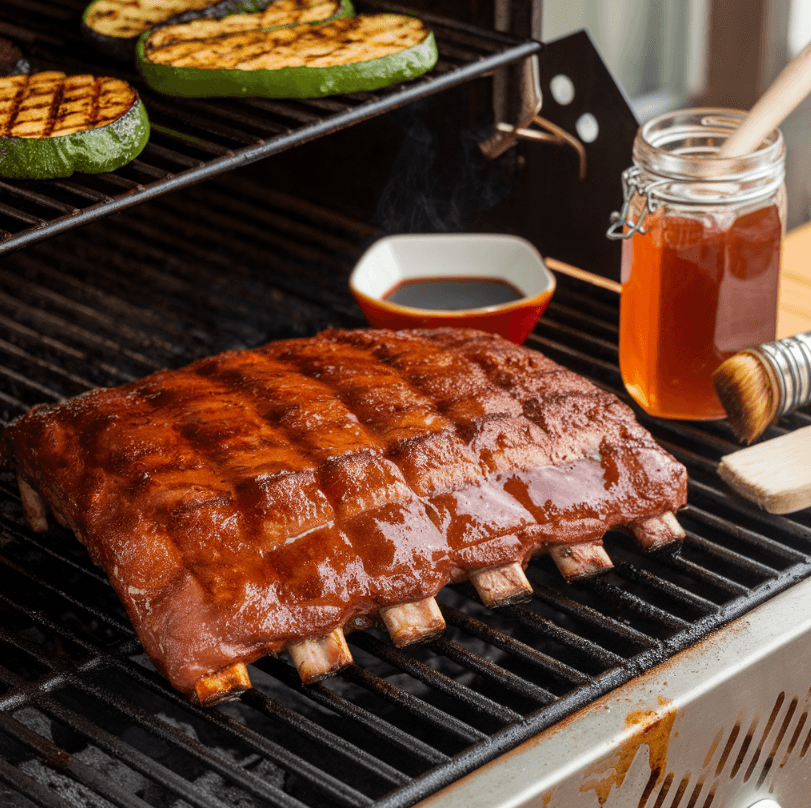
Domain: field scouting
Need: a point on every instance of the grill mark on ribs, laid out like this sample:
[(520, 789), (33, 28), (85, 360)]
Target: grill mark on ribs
[(268, 497)]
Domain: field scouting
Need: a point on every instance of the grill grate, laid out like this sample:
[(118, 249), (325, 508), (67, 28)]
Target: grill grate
[(86, 721), (193, 139)]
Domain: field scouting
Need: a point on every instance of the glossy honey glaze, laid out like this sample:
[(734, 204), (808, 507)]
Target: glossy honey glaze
[(695, 292), (260, 497)]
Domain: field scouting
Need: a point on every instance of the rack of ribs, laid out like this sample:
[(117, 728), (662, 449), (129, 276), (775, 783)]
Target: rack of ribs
[(271, 499)]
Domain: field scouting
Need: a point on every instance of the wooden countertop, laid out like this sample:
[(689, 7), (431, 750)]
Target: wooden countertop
[(794, 302)]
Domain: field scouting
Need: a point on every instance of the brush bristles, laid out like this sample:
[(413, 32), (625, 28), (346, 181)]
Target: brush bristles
[(748, 393)]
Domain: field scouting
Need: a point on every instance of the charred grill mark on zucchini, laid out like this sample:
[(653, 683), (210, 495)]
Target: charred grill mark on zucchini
[(52, 104), (56, 102), (279, 13), (341, 42), (129, 18)]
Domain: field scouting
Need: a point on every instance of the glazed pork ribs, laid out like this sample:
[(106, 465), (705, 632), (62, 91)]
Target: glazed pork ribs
[(269, 499)]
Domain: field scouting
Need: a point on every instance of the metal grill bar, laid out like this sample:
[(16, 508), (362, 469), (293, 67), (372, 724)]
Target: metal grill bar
[(416, 707), (729, 557), (474, 662), (330, 785), (602, 622), (439, 681), (56, 757), (706, 576), (635, 605), (745, 536), (23, 784), (335, 790), (680, 595), (525, 616), (381, 728), (317, 733)]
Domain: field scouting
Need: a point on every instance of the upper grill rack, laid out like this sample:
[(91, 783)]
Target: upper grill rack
[(85, 720), (193, 139)]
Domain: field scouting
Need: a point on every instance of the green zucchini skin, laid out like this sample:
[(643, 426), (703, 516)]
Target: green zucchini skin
[(290, 82), (122, 49), (92, 151)]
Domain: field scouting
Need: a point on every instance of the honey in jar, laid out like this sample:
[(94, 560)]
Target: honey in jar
[(700, 259)]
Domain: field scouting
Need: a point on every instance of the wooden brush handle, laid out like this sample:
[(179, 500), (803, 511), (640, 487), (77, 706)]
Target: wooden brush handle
[(787, 91)]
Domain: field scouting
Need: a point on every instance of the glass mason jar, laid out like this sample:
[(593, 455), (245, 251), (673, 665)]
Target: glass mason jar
[(700, 258)]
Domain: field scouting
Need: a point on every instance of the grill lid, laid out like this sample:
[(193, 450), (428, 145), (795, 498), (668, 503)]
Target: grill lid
[(85, 720)]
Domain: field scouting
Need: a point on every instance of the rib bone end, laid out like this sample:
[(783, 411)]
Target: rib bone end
[(319, 657), (656, 532), (34, 510), (408, 623), (224, 685), (502, 586), (577, 561)]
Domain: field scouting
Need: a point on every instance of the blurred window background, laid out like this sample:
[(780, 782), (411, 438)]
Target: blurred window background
[(668, 54)]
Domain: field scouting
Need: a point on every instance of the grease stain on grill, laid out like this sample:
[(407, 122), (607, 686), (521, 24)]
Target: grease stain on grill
[(651, 728)]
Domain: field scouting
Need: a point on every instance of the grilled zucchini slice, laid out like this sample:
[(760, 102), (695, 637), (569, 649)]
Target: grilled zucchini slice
[(280, 14), (115, 25), (345, 55), (52, 125)]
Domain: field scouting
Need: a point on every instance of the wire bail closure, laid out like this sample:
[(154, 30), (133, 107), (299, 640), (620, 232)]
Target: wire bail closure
[(633, 185)]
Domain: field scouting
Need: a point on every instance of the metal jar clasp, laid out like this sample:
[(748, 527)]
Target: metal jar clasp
[(633, 185)]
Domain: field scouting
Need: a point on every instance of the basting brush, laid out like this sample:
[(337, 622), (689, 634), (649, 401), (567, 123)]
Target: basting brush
[(759, 385)]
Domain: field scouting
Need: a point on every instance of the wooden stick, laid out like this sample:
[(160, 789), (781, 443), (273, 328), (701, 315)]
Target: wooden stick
[(577, 561), (34, 510), (408, 623), (319, 657), (771, 109), (656, 532), (225, 685), (502, 586)]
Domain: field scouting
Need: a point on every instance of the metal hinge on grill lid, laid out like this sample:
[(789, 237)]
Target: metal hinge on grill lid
[(505, 135), (571, 191)]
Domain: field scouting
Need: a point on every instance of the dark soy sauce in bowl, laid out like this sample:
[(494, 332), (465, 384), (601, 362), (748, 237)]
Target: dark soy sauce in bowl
[(437, 294)]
